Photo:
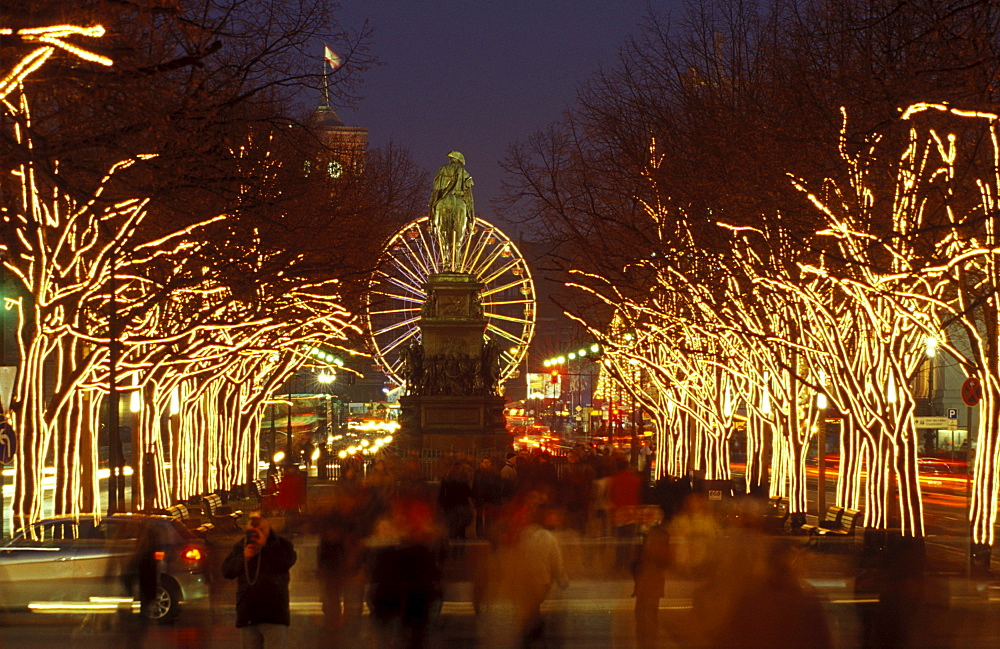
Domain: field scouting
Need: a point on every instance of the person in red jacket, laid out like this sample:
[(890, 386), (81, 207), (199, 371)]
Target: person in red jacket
[(291, 496), (623, 494)]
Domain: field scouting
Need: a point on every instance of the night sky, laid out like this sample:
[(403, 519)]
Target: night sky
[(477, 75)]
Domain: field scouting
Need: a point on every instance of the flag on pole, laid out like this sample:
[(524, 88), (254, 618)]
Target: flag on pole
[(332, 58)]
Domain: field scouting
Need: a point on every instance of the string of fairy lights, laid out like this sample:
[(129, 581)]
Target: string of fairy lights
[(782, 335), (770, 334), (197, 361)]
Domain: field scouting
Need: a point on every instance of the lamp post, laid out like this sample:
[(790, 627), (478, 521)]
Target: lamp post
[(274, 437), (821, 452), (116, 477), (288, 424), (325, 380)]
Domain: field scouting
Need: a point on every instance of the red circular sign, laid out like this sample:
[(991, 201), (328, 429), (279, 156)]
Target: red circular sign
[(972, 391)]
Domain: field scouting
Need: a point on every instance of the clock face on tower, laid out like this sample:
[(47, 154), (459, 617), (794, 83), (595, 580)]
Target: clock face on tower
[(335, 169)]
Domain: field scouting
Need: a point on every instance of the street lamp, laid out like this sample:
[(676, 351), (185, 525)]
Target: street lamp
[(821, 404)]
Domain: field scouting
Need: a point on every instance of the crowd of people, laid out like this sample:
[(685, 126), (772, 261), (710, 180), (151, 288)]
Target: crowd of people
[(388, 531)]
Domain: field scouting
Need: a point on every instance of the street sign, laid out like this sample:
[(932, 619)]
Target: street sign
[(8, 443), (935, 422), (972, 391), (952, 413)]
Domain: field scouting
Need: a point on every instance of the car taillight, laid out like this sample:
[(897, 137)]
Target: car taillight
[(159, 556), (192, 554)]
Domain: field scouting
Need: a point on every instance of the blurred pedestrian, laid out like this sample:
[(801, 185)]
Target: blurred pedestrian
[(455, 499), (649, 573), (307, 454), (412, 483), (895, 577), (405, 573), (487, 490), (509, 477), (340, 558), (757, 601), (530, 563), (140, 576), (291, 497), (142, 572), (350, 475), (646, 456), (695, 534), (261, 564), (576, 488), (544, 473), (623, 495), (381, 482)]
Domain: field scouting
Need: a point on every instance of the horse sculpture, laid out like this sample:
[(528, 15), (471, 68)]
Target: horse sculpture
[(451, 208), (451, 224)]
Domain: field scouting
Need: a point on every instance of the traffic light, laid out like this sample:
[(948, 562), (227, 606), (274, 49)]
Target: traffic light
[(554, 378), (614, 414)]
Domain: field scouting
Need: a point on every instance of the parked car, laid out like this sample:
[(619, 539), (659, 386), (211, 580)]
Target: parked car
[(76, 559)]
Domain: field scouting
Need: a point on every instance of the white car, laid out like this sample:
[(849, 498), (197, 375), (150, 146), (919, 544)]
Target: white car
[(75, 561)]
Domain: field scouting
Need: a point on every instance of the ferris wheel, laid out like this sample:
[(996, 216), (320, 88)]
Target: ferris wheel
[(396, 293)]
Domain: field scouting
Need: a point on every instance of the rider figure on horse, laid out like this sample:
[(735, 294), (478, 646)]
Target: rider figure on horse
[(451, 206)]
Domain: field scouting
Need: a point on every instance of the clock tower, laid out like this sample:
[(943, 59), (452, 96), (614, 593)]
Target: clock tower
[(346, 145)]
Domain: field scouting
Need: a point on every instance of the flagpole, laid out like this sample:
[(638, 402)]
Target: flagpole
[(326, 86)]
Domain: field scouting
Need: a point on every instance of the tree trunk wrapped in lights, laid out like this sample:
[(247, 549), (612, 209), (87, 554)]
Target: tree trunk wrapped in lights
[(942, 278), (797, 327), (94, 274)]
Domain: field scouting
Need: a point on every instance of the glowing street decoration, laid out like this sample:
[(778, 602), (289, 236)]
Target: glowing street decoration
[(51, 39), (945, 235), (191, 354), (800, 332)]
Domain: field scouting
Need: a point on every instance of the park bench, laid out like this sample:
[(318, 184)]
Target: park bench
[(845, 526), (181, 513), (831, 520), (260, 493), (776, 514), (219, 512)]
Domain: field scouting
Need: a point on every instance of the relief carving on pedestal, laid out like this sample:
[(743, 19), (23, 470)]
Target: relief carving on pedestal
[(452, 306), (452, 373)]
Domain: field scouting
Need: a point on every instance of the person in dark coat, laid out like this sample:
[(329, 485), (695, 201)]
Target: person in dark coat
[(649, 572), (340, 558), (405, 573), (260, 563), (455, 499), (509, 478), (487, 492)]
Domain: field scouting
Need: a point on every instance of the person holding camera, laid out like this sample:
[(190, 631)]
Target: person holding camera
[(260, 563)]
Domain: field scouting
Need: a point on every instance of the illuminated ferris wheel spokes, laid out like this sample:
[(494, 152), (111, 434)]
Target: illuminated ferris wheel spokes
[(396, 293)]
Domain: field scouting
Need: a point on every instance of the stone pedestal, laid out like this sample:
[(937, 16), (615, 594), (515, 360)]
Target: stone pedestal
[(452, 321), (452, 401), (448, 423)]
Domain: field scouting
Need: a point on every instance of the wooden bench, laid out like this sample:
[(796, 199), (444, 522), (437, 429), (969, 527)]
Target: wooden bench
[(831, 520), (845, 526), (261, 495), (181, 513), (219, 512), (260, 490), (776, 514)]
